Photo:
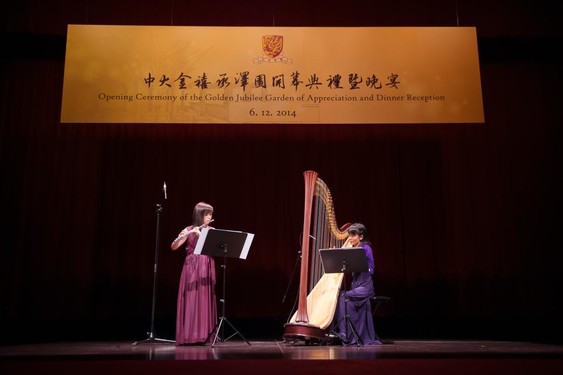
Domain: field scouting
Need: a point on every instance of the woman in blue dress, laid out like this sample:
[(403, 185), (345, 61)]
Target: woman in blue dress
[(356, 301)]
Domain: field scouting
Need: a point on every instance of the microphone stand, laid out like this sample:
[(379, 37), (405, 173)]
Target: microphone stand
[(292, 274), (151, 335), (297, 261)]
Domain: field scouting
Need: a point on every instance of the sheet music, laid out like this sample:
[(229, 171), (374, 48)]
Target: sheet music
[(201, 240), (203, 235), (247, 243)]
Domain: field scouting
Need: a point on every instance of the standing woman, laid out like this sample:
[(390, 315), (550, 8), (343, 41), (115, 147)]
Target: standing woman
[(196, 312), (357, 300)]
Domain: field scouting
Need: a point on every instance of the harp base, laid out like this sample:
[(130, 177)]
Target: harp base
[(303, 332)]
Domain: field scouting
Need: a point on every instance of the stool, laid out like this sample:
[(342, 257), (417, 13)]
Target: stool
[(376, 301)]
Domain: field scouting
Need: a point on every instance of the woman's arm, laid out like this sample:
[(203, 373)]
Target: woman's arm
[(178, 241)]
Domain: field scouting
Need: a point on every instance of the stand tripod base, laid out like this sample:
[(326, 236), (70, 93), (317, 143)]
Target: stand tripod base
[(217, 329), (153, 340), (350, 326)]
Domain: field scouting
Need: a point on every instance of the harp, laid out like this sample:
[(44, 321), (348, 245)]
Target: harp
[(318, 292)]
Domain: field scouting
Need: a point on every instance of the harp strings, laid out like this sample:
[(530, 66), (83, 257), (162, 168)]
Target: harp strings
[(325, 231)]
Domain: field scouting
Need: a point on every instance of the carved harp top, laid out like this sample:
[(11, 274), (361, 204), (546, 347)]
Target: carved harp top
[(325, 230), (324, 196), (318, 292)]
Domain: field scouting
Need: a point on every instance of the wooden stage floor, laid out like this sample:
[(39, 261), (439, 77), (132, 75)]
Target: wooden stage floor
[(278, 357), (279, 350)]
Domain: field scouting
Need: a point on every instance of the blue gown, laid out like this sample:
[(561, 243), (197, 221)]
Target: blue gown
[(358, 307)]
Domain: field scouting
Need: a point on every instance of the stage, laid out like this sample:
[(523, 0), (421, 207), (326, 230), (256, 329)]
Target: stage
[(278, 357)]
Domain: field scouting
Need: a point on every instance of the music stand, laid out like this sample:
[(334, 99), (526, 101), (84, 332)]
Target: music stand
[(349, 259), (228, 244)]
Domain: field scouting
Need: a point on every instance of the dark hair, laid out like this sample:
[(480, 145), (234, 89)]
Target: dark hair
[(360, 230), (200, 210)]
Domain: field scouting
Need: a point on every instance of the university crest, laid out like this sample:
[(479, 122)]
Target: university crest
[(272, 45)]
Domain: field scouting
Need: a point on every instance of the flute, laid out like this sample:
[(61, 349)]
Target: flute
[(199, 227)]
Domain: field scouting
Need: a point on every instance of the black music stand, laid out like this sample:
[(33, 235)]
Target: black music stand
[(349, 259), (228, 244)]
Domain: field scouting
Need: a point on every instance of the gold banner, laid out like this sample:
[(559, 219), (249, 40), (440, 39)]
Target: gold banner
[(302, 75)]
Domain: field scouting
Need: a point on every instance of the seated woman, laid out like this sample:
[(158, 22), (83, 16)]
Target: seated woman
[(355, 302)]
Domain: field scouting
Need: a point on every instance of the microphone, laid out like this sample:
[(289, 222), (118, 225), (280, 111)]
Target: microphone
[(164, 189)]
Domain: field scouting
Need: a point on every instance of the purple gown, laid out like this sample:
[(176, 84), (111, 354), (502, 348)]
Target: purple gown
[(358, 307), (196, 314)]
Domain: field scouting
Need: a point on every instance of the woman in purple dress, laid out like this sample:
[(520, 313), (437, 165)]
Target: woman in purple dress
[(356, 302), (196, 313)]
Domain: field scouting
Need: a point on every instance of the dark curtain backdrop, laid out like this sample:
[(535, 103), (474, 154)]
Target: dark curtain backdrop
[(465, 218)]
